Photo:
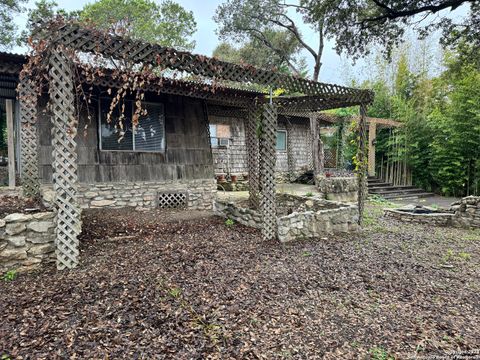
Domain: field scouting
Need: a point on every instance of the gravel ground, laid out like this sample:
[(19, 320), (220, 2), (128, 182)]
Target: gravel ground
[(152, 286)]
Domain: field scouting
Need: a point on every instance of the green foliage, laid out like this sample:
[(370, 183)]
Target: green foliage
[(166, 23), (273, 32), (10, 275), (357, 25), (43, 11), (309, 194), (9, 9), (284, 49), (229, 222), (379, 353)]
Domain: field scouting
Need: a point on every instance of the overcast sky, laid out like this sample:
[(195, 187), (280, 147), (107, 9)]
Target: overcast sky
[(335, 69)]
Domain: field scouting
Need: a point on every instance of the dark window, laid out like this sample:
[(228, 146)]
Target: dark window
[(118, 134)]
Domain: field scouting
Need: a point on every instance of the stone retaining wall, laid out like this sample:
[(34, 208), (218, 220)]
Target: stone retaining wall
[(298, 217), (437, 219), (200, 194), (26, 240), (338, 188), (467, 212)]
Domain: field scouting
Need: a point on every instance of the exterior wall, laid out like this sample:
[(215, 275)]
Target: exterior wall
[(436, 219), (26, 241), (114, 179), (187, 155), (234, 158), (141, 195)]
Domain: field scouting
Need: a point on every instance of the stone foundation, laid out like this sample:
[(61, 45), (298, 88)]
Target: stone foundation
[(298, 217), (467, 212), (26, 241), (344, 189), (199, 194)]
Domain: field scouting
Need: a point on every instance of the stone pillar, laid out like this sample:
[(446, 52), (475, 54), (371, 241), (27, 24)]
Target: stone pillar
[(268, 140), (64, 154), (251, 125), (372, 132), (27, 97), (362, 162)]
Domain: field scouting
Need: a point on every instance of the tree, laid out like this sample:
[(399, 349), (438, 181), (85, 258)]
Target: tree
[(252, 20), (254, 53), (8, 29), (167, 23), (358, 24), (42, 12)]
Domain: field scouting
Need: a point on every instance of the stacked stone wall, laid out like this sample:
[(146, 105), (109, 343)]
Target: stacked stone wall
[(26, 241), (467, 212), (338, 188)]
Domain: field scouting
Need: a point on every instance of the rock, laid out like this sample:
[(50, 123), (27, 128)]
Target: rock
[(2, 223), (41, 238), (48, 195), (13, 254), (40, 226), (41, 249), (102, 203), (309, 203), (90, 194), (17, 241), (44, 215), (17, 217), (15, 228)]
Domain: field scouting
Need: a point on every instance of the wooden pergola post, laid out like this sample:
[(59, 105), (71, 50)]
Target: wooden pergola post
[(64, 165), (291, 163), (267, 150), (28, 138), (252, 142), (318, 152), (361, 162), (372, 133), (11, 144)]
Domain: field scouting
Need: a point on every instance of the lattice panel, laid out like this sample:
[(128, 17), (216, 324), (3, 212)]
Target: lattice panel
[(172, 200), (362, 162), (251, 124), (29, 148), (221, 94), (268, 140), (72, 35), (330, 158), (64, 129)]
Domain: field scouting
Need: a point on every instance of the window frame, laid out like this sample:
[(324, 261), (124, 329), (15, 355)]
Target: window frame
[(286, 140), (133, 150), (218, 145)]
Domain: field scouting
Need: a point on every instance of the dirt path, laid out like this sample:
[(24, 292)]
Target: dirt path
[(151, 286)]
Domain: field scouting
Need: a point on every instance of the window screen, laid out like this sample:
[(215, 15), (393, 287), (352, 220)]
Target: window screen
[(119, 135), (116, 134), (281, 140), (150, 132)]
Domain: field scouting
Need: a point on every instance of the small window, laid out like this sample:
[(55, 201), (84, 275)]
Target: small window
[(219, 135), (119, 135), (281, 140)]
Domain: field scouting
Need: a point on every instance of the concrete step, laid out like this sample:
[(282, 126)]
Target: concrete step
[(395, 191), (390, 187), (407, 196)]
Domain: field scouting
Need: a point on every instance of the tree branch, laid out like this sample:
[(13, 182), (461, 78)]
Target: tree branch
[(392, 14)]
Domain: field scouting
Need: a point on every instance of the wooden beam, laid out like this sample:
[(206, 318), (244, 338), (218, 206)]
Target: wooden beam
[(11, 144), (372, 134)]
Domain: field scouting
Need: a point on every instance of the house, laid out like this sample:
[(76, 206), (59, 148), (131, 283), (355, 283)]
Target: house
[(167, 160)]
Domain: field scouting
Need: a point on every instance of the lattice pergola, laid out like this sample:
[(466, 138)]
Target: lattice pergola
[(261, 112)]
